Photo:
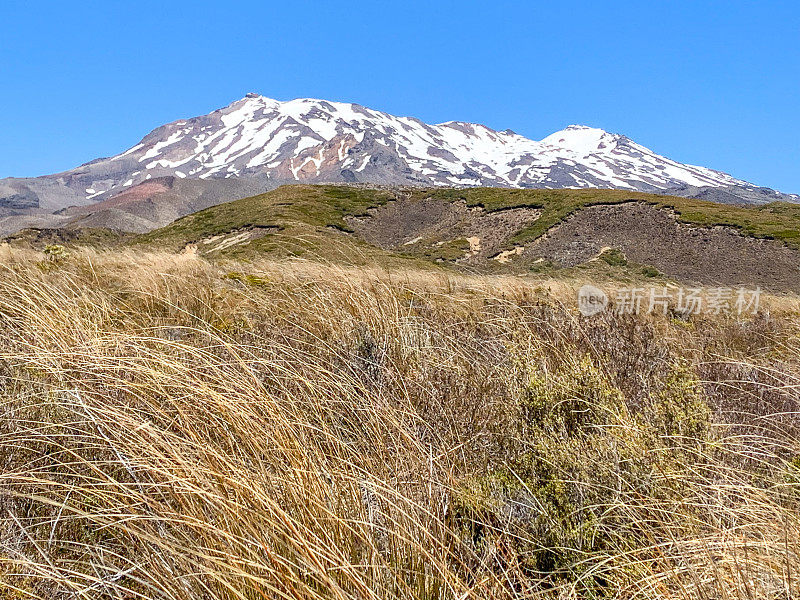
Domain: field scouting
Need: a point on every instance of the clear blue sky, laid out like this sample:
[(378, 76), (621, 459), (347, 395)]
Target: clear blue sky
[(710, 83)]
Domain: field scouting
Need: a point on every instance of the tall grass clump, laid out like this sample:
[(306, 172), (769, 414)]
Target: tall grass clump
[(175, 428)]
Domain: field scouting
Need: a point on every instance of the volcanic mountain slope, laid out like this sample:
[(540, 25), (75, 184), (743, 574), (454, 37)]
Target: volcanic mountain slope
[(269, 143), (157, 202)]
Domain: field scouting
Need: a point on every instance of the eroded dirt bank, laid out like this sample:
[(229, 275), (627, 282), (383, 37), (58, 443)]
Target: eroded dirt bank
[(653, 236), (416, 225)]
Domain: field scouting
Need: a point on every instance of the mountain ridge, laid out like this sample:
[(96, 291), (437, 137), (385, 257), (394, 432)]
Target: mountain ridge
[(270, 142)]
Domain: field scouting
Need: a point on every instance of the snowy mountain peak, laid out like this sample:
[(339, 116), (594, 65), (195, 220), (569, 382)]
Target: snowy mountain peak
[(311, 140), (583, 140)]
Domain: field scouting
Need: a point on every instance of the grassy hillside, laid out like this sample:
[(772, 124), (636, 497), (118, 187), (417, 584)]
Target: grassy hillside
[(180, 428), (296, 209), (306, 218)]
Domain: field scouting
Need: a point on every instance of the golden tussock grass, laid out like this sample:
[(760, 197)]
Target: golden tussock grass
[(175, 428)]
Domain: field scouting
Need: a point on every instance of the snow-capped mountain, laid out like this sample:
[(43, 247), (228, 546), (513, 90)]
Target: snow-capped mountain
[(307, 140)]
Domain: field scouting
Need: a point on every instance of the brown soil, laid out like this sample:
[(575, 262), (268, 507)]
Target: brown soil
[(653, 236), (417, 225)]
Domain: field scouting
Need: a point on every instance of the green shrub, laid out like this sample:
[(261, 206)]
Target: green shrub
[(648, 271), (614, 257)]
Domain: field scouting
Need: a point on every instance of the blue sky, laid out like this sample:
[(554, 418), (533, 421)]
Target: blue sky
[(710, 83)]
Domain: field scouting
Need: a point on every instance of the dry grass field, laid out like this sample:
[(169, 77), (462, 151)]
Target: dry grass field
[(176, 428)]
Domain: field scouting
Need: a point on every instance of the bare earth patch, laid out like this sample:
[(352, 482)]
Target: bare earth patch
[(653, 236), (411, 225)]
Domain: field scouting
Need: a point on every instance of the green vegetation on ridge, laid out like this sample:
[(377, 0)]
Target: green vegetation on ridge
[(316, 206), (298, 210)]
